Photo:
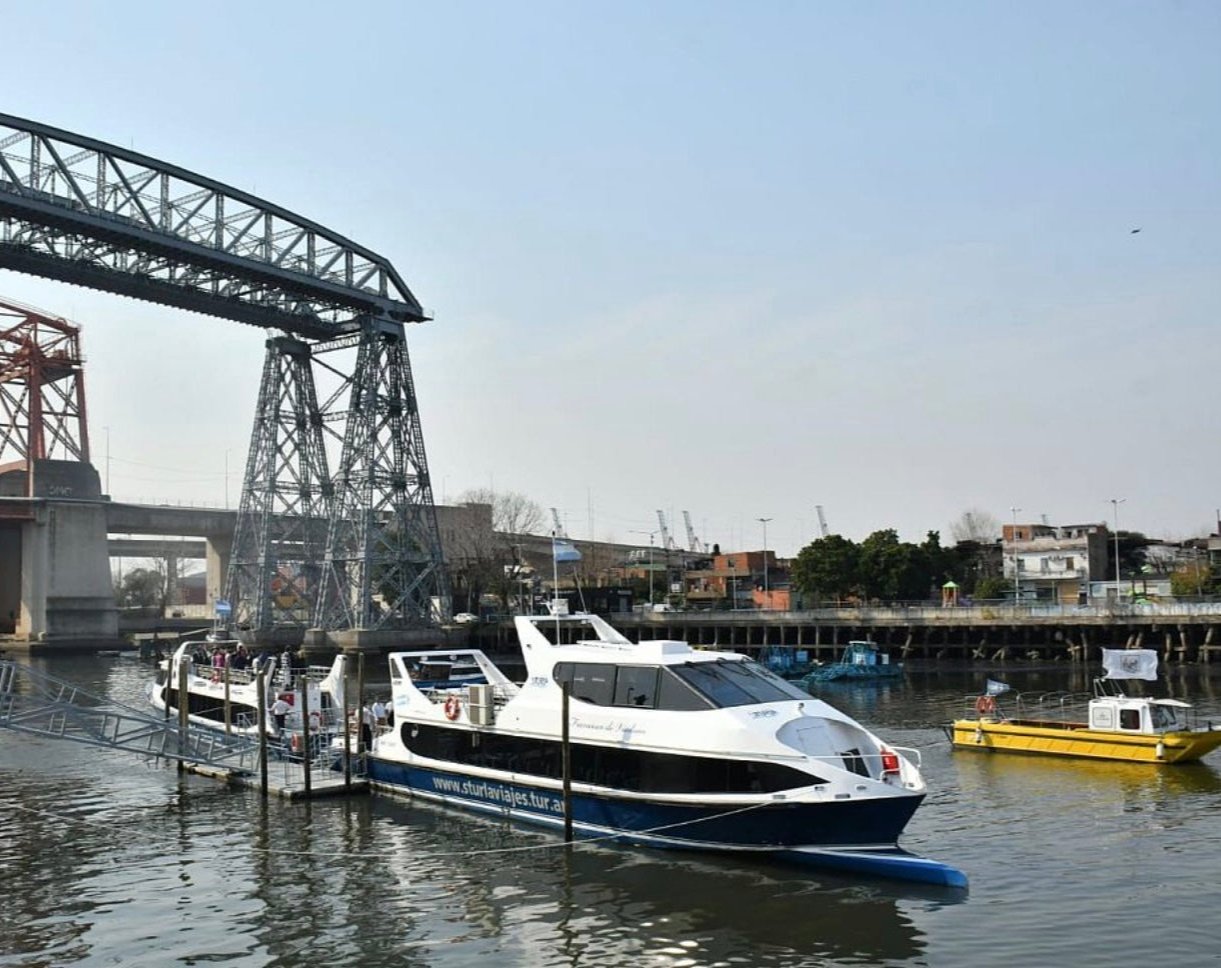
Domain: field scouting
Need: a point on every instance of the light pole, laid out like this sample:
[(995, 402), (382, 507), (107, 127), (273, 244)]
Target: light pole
[(650, 534), (766, 598), (1115, 502), (107, 429), (1017, 597)]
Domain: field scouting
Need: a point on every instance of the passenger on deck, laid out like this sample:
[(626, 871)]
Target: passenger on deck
[(367, 720), (240, 658), (279, 711)]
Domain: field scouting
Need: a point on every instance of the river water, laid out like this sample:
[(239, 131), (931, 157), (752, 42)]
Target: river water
[(108, 859)]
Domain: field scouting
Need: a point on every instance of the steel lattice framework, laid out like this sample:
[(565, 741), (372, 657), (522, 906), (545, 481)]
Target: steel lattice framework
[(82, 211), (383, 563), (90, 213), (42, 387), (286, 504)]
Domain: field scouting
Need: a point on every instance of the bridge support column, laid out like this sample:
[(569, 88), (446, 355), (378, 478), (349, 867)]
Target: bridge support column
[(66, 594), (217, 548)]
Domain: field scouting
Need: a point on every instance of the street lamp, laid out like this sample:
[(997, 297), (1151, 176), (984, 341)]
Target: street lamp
[(650, 534), (766, 597), (1115, 502), (107, 429), (1017, 597)]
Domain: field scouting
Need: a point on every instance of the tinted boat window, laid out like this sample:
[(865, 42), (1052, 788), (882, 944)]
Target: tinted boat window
[(765, 686), (622, 769), (593, 683), (674, 693), (636, 686), (737, 683)]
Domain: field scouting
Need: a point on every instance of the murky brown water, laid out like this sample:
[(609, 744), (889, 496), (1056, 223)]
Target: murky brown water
[(109, 860)]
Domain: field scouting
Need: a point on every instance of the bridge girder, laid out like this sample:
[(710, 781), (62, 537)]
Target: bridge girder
[(82, 211)]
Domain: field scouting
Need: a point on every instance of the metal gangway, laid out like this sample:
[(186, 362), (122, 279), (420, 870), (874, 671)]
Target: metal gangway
[(42, 705)]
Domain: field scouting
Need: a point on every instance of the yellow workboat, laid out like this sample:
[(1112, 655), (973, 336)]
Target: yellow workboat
[(1108, 726)]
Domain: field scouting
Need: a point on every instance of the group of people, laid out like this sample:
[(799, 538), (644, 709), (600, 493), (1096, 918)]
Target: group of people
[(376, 715), (239, 658)]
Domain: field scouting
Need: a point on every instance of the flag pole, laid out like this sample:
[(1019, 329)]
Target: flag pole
[(555, 588)]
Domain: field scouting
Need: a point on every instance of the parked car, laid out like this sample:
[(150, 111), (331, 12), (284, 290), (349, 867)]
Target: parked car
[(466, 618)]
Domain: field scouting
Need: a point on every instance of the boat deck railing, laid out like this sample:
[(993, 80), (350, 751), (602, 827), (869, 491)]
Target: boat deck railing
[(1055, 706)]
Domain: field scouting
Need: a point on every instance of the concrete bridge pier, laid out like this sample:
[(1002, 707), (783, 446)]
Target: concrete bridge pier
[(55, 587)]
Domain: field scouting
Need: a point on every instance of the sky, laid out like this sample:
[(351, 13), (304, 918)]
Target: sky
[(740, 260)]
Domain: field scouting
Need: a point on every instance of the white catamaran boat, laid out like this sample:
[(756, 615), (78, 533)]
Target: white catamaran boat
[(667, 747), (206, 691)]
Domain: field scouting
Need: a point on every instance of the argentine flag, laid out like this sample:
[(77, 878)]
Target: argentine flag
[(563, 551)]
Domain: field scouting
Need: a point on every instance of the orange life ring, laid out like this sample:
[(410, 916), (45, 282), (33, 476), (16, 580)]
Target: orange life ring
[(985, 705), (452, 707)]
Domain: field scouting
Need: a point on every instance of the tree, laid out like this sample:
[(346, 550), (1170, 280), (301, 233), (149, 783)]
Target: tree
[(827, 569), (141, 588), (1191, 579), (893, 570), (512, 513), (975, 525), (492, 563)]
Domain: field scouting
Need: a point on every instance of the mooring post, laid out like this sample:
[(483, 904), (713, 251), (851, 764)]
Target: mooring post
[(228, 707), (306, 738), (566, 760), (347, 733), (360, 709), (184, 710), (261, 686)]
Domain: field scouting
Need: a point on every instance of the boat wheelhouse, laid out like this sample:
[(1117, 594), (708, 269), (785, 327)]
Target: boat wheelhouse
[(860, 660), (1109, 726), (662, 745)]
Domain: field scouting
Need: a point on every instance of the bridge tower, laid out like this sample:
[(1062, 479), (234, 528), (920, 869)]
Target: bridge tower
[(287, 498), (383, 566)]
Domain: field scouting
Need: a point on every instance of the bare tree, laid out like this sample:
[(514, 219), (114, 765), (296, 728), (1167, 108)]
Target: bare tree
[(493, 562), (512, 513), (976, 525)]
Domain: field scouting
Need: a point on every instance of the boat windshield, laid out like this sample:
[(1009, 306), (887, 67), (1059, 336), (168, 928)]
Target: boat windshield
[(737, 683)]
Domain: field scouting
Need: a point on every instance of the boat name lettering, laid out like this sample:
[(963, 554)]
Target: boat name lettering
[(612, 726), (498, 793), (763, 714), (539, 680)]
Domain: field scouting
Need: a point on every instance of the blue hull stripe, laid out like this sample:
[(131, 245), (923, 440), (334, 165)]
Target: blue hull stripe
[(771, 826)]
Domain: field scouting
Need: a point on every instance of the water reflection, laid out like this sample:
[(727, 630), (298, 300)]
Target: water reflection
[(610, 905)]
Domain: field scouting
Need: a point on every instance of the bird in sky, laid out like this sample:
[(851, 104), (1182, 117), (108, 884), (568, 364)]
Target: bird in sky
[(1134, 231)]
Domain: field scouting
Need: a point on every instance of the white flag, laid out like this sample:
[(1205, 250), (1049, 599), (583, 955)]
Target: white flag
[(995, 688), (1129, 663)]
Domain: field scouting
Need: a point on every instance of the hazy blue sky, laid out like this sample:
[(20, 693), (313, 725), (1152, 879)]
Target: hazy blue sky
[(739, 259)]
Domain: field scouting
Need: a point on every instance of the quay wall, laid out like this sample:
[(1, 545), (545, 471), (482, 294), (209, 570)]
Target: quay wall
[(1183, 633)]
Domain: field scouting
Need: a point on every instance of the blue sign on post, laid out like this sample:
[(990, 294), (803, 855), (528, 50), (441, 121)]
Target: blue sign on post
[(223, 608)]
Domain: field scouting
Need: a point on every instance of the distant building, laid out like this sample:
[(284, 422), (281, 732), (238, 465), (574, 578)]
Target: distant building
[(1055, 564)]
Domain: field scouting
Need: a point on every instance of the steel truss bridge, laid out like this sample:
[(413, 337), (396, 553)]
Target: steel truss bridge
[(336, 526)]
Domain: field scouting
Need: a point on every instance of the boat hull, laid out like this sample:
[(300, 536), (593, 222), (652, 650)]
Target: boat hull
[(770, 826), (1066, 739)]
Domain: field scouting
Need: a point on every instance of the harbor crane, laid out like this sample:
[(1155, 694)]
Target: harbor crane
[(667, 540), (822, 521), (693, 543)]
